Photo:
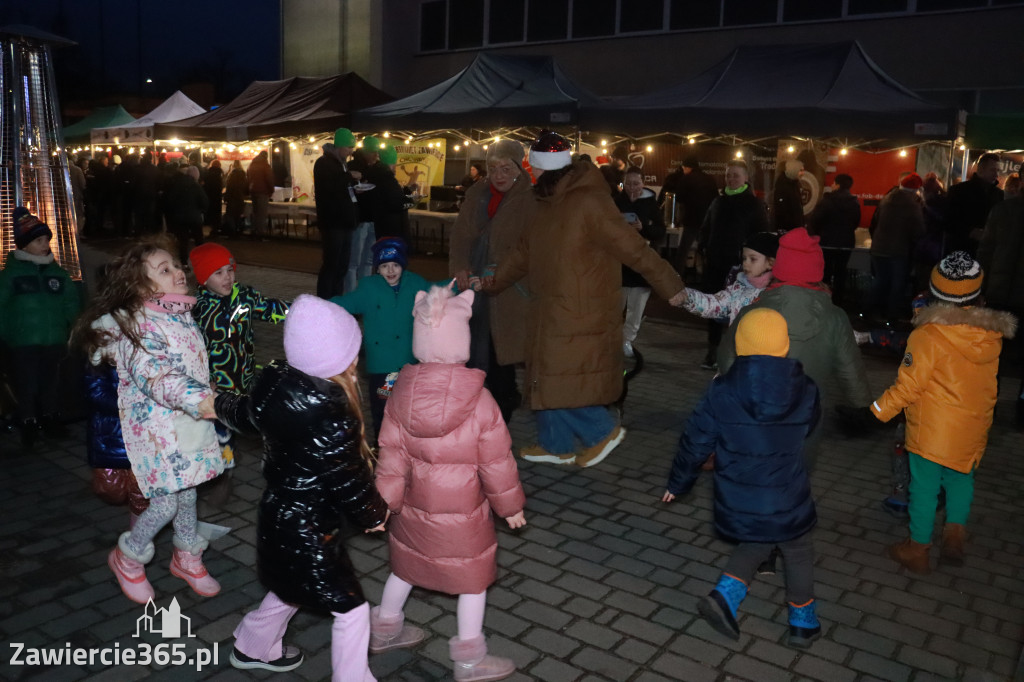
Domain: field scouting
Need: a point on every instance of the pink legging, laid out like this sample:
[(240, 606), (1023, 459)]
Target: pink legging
[(469, 613), (261, 634)]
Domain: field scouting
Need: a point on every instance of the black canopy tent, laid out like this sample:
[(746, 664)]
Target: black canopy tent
[(829, 91), (290, 107), (495, 91)]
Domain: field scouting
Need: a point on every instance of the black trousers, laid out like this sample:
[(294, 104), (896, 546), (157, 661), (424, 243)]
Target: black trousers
[(337, 245), (798, 555), (34, 372), (836, 261)]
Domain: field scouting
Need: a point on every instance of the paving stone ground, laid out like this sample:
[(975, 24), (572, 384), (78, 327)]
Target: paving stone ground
[(602, 584)]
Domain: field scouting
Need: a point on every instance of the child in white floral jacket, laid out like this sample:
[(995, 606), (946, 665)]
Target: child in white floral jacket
[(758, 258), (165, 401)]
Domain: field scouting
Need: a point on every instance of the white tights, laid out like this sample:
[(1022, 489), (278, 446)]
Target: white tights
[(469, 613)]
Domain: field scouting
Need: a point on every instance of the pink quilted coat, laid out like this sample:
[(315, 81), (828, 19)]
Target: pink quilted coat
[(445, 463)]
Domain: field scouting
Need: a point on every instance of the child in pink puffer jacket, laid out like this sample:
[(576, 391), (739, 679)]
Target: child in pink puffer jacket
[(445, 462)]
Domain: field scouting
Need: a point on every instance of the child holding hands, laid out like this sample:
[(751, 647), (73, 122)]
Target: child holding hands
[(164, 397), (445, 463), (758, 259), (317, 471), (756, 417)]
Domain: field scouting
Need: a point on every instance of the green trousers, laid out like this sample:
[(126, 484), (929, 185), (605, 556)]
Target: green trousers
[(926, 477)]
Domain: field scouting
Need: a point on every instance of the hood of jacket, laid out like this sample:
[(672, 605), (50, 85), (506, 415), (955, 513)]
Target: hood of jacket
[(431, 399), (767, 388), (975, 332), (804, 309), (584, 177)]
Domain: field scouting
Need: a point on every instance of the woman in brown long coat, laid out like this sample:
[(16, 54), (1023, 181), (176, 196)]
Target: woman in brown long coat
[(493, 216), (573, 250)]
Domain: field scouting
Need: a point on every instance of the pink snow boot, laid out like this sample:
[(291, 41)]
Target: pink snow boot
[(187, 564), (130, 569), (473, 664), (390, 632)]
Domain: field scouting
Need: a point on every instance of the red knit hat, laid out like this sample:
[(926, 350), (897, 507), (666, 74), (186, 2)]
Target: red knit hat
[(912, 181), (800, 258), (208, 259)]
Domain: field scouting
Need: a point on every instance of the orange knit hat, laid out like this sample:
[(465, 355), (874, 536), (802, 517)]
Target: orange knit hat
[(762, 331)]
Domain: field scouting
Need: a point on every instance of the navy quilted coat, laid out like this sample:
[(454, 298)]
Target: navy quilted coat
[(104, 443), (315, 479), (755, 418)]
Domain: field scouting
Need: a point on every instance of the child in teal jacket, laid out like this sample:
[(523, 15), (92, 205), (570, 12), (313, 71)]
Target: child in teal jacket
[(38, 305), (385, 301)]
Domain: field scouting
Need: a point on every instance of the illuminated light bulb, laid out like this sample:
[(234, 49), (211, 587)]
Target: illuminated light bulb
[(844, 151), (604, 143), (386, 134), (963, 148), (497, 138), (457, 147), (739, 155), (485, 147), (604, 150), (177, 149), (903, 152), (311, 138), (408, 140), (790, 149), (108, 149), (650, 148), (692, 140), (277, 150), (292, 145), (359, 144)]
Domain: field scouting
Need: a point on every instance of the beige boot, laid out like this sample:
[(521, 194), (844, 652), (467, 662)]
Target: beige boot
[(953, 536), (390, 632), (913, 556), (473, 664)]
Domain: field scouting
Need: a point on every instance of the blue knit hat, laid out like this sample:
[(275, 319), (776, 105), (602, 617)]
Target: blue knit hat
[(389, 250), (28, 228)]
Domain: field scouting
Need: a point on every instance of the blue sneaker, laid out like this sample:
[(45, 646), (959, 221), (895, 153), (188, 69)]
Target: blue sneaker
[(804, 627), (896, 507), (720, 606)]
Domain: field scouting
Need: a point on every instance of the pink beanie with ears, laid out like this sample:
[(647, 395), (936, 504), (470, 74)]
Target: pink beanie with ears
[(320, 337), (440, 331)]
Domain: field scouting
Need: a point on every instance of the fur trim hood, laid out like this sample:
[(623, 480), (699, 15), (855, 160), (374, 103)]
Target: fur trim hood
[(975, 316)]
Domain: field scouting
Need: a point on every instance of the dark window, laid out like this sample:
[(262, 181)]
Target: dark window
[(809, 10), (506, 21), (641, 15), (686, 14), (876, 6), (432, 21), (593, 18), (938, 5), (744, 12), (466, 24), (547, 20), (1008, 2)]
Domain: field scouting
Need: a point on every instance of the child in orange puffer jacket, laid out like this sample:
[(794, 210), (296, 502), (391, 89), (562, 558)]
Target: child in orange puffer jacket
[(947, 386)]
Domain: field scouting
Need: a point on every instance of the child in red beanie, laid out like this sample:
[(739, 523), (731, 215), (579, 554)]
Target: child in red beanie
[(225, 311)]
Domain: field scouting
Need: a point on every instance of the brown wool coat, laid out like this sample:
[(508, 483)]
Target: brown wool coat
[(573, 251), (516, 210)]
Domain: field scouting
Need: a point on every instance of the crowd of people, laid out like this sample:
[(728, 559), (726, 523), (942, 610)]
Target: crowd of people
[(549, 270)]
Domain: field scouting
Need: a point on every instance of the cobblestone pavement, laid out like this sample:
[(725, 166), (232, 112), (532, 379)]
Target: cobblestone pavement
[(602, 583)]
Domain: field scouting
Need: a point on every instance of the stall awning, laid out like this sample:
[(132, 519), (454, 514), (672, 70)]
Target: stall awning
[(819, 90), (294, 106), (494, 91), (174, 108), (99, 118)]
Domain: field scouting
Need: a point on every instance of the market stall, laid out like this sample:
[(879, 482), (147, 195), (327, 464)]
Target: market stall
[(140, 130), (100, 117)]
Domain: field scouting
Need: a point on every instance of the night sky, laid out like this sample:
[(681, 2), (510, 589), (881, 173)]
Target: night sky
[(227, 42)]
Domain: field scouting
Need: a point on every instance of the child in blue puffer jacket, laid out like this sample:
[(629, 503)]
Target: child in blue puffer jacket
[(756, 417)]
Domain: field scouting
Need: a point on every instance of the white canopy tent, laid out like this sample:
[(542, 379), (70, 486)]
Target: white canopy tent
[(140, 131)]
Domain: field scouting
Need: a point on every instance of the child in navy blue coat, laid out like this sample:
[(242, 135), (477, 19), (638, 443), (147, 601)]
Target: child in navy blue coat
[(756, 418)]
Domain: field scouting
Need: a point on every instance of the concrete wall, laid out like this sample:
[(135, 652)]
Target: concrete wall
[(325, 37)]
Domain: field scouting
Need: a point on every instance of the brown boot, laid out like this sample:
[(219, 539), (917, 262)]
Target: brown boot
[(953, 536), (913, 555)]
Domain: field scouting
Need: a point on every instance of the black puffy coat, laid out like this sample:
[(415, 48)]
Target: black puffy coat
[(315, 478), (755, 418), (727, 224), (652, 228), (391, 205), (835, 220), (104, 444)]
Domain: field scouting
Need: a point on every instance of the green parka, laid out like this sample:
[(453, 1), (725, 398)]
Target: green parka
[(38, 301)]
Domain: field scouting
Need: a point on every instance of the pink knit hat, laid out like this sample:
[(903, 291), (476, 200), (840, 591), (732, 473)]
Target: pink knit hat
[(320, 337), (440, 332)]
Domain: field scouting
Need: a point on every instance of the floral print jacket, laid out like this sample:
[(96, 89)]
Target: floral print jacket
[(160, 386), (726, 304)]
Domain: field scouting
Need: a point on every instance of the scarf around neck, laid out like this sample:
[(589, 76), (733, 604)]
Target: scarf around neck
[(494, 201), (174, 304), (733, 192)]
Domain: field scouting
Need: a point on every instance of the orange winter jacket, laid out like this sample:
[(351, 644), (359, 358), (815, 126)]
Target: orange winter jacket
[(947, 383)]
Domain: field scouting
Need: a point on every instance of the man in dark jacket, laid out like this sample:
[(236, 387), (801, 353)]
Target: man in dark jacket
[(730, 219), (835, 220), (787, 202), (900, 224), (693, 190), (969, 204), (184, 207), (335, 211)]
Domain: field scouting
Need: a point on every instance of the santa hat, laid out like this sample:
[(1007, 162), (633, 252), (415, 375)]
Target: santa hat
[(440, 331), (799, 258), (320, 337), (912, 182), (28, 228), (551, 151)]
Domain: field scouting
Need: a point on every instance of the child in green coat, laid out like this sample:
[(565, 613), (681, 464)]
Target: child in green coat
[(385, 301), (38, 304)]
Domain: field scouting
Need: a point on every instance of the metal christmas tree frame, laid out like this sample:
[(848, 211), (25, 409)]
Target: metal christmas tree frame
[(33, 165)]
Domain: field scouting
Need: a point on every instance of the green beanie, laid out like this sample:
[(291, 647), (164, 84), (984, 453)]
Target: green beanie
[(343, 137), (371, 144), (388, 155)]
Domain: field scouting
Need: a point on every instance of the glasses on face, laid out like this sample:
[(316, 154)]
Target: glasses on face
[(505, 170)]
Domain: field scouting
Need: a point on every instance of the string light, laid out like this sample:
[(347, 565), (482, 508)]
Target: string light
[(692, 140), (386, 134), (843, 151), (277, 150), (650, 148), (604, 143), (903, 152), (604, 150), (408, 140), (790, 149), (739, 155), (485, 147), (457, 147), (963, 148)]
